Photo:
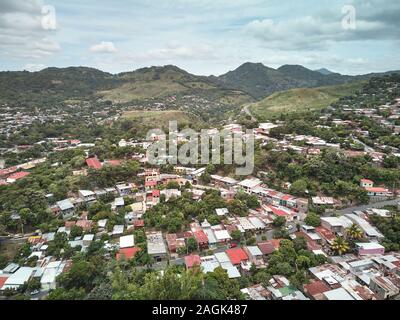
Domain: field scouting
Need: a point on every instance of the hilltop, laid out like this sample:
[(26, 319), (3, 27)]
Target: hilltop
[(302, 100)]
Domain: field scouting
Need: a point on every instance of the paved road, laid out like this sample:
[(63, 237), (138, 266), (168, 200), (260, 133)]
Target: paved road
[(366, 148), (376, 205), (247, 111)]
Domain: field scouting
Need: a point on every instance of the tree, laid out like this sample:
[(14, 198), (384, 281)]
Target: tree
[(236, 235), (279, 221), (298, 187), (313, 219), (340, 245), (354, 232), (76, 231), (191, 244), (64, 294)]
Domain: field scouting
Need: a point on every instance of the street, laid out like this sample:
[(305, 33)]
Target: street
[(376, 205)]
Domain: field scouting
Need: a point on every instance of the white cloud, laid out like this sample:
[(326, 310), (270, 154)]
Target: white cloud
[(32, 67), (21, 31), (104, 47)]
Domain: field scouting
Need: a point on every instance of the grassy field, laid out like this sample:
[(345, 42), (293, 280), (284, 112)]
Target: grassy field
[(158, 119), (301, 100)]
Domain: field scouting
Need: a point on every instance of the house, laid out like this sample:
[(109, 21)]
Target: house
[(192, 261), (126, 241), (18, 278), (315, 289), (369, 231), (86, 225), (256, 292), (222, 236), (201, 239), (87, 239), (66, 208), (266, 247), (16, 176), (127, 253), (93, 163), (368, 248), (337, 294), (118, 229), (383, 287), (366, 183), (237, 255), (124, 189), (255, 255), (248, 184), (336, 224), (87, 195), (51, 271), (173, 242), (118, 203), (323, 201), (223, 181), (221, 211), (378, 192), (155, 245)]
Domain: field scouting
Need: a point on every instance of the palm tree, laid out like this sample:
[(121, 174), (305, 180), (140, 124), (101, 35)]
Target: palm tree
[(354, 232), (340, 245)]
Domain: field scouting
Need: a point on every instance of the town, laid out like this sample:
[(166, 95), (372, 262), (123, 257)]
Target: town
[(276, 241)]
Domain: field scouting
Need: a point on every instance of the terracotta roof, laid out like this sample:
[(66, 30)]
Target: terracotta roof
[(150, 183), (93, 163), (18, 175), (376, 189), (2, 281), (138, 223), (192, 260), (127, 253), (237, 255)]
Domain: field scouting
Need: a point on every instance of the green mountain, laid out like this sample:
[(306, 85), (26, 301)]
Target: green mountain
[(60, 85), (260, 81), (324, 71)]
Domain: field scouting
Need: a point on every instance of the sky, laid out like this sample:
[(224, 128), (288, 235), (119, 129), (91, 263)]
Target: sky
[(203, 37)]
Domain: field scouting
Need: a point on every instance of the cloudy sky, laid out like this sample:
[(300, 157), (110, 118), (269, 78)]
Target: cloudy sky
[(200, 36)]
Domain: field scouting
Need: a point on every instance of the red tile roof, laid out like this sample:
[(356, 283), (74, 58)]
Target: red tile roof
[(192, 260), (138, 223), (367, 181), (127, 253), (237, 255), (156, 193), (18, 175), (2, 281), (150, 183), (93, 163), (201, 237), (286, 197), (278, 212), (6, 171), (376, 189)]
